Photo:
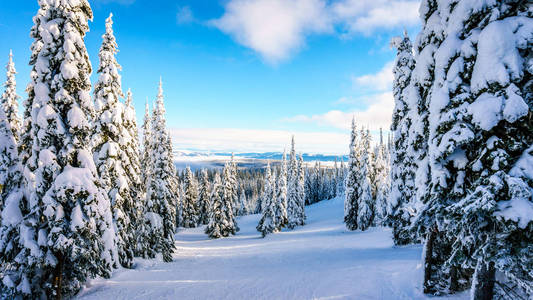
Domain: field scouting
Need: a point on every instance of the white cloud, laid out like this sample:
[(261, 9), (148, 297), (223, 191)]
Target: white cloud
[(377, 114), (273, 28), (366, 16), (184, 15), (277, 28), (380, 81), (229, 139)]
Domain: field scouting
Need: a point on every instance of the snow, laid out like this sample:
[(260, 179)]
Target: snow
[(77, 179), (486, 111), (320, 260)]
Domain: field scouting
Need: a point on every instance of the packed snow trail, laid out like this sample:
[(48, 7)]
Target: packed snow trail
[(321, 260)]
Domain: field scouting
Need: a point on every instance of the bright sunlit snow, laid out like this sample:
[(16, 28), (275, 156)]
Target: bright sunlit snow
[(321, 260)]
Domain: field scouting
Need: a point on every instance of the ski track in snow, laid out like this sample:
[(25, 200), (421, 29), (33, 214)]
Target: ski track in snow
[(321, 260)]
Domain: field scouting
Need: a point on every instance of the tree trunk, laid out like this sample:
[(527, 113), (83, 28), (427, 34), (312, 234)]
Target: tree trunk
[(58, 276), (428, 260), (485, 275)]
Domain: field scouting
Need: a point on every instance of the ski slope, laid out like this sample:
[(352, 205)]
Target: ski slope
[(321, 260)]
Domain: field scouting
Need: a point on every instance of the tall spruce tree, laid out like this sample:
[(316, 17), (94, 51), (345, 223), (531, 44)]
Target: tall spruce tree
[(300, 191), (13, 206), (146, 161), (365, 205), (204, 198), (267, 223), (110, 141), (9, 99), (190, 200), (230, 192), (217, 226), (161, 194), (403, 162), (65, 236), (293, 205), (352, 182), (480, 140), (133, 172), (281, 194)]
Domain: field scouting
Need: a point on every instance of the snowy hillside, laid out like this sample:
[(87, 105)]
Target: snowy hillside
[(321, 260)]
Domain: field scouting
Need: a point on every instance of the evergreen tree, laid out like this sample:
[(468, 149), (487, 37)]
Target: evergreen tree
[(301, 192), (217, 226), (267, 223), (11, 213), (66, 235), (133, 173), (204, 198), (481, 148), (340, 180), (352, 182), (243, 210), (403, 162), (293, 200), (382, 167), (190, 200), (365, 213), (230, 193), (161, 193), (232, 180), (9, 99), (281, 195), (111, 138), (147, 140)]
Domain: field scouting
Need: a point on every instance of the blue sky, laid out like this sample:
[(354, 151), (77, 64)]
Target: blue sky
[(242, 75)]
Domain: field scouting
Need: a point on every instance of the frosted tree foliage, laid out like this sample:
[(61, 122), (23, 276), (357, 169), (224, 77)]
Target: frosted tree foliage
[(479, 102), (66, 234), (111, 139), (218, 216), (382, 179), (402, 157), (281, 195), (267, 223), (147, 149), (204, 198), (9, 99), (229, 181), (294, 207), (351, 205), (301, 192), (243, 208), (162, 192), (365, 205), (190, 200)]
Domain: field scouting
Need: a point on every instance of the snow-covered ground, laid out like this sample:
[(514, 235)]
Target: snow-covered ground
[(318, 261)]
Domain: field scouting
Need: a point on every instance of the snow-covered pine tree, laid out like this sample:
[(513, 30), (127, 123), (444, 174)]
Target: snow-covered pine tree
[(161, 194), (352, 182), (131, 150), (480, 140), (267, 223), (235, 185), (217, 217), (281, 194), (110, 140), (243, 210), (300, 191), (402, 160), (365, 202), (146, 162), (293, 201), (190, 200), (340, 179), (9, 99), (382, 182), (228, 181), (204, 198), (13, 206), (64, 240)]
